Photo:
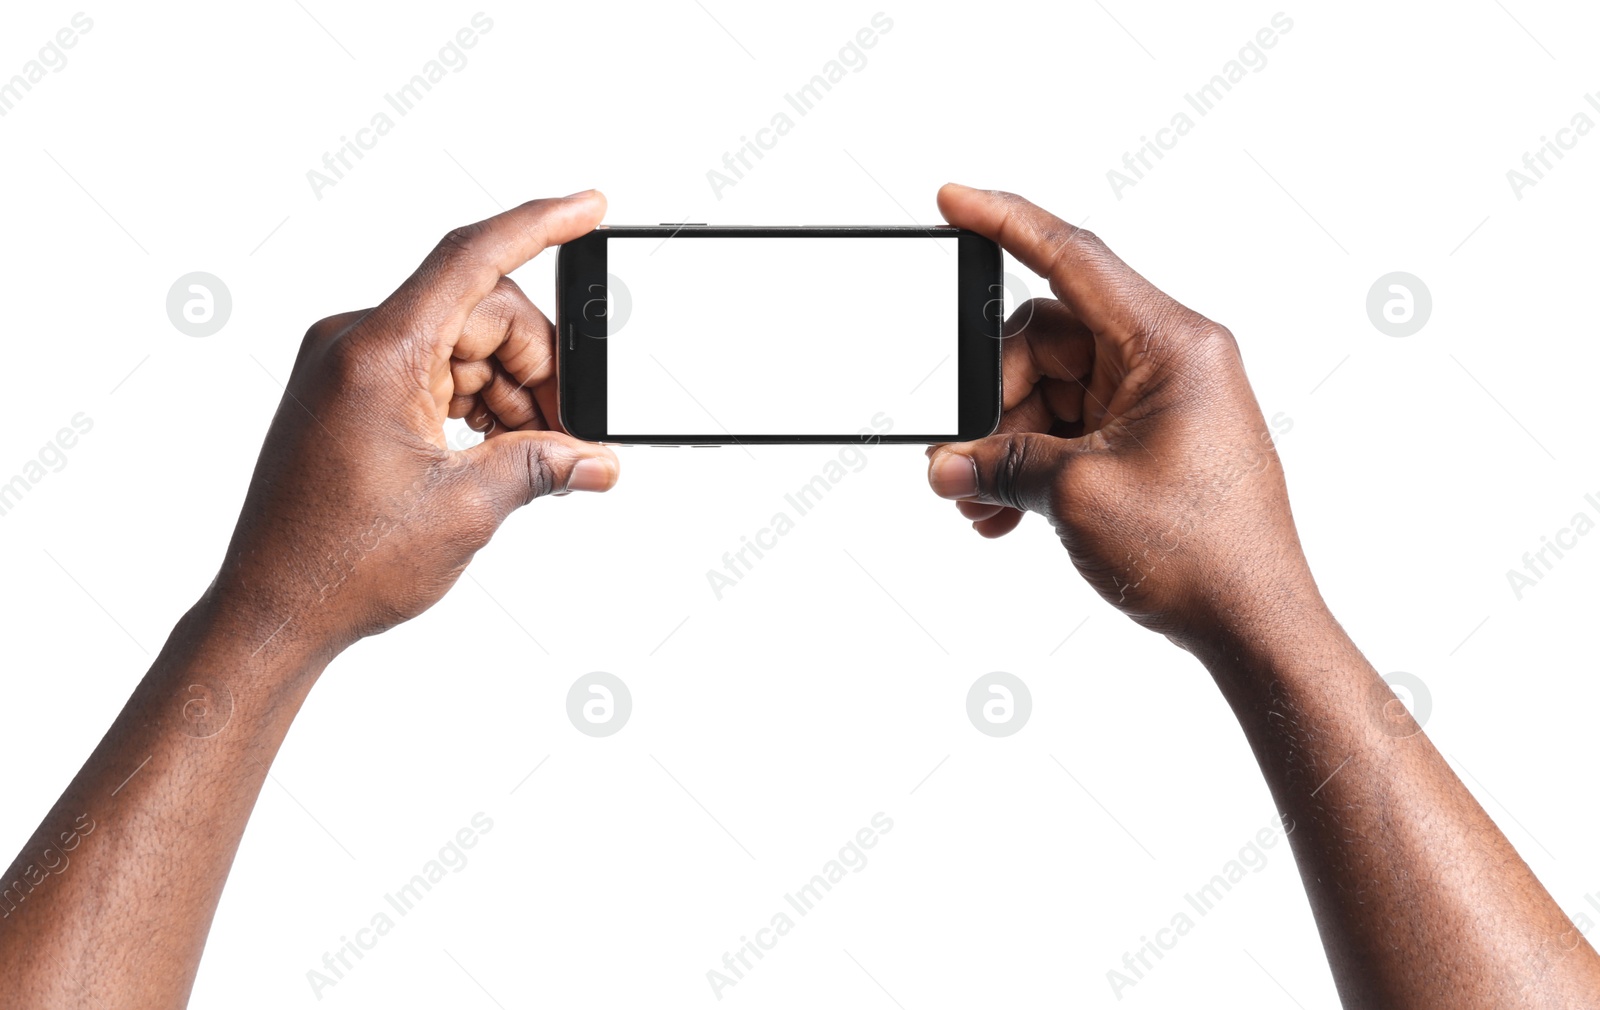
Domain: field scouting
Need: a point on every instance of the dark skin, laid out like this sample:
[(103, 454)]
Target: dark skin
[(1131, 427), (1129, 424), (358, 518)]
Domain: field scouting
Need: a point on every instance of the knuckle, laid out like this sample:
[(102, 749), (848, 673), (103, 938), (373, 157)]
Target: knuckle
[(1082, 240), (494, 310), (1090, 239), (1212, 347), (1010, 470), (477, 515), (1023, 315), (1186, 356), (503, 303), (327, 329), (1068, 241), (458, 248), (459, 240), (319, 331), (539, 463), (345, 363), (507, 292), (361, 359), (1210, 334)]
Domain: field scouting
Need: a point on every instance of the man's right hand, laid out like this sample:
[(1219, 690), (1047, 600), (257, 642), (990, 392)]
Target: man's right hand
[(1130, 425)]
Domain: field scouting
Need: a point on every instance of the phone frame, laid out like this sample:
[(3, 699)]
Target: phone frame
[(581, 339)]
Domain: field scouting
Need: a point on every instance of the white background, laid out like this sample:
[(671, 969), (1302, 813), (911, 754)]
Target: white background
[(783, 336), (831, 681)]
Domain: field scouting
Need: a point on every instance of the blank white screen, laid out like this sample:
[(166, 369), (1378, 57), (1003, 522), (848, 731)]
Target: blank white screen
[(783, 336)]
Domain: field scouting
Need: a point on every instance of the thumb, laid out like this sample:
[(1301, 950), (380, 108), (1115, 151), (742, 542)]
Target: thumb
[(515, 467), (1022, 470)]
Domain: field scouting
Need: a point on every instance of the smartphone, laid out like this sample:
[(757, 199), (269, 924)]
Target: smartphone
[(698, 335)]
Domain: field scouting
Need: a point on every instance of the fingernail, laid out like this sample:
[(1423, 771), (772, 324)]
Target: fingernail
[(953, 476), (581, 192), (589, 474)]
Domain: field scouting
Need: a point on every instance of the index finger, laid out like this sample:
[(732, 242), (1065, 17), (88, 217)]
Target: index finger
[(1108, 295), (468, 262)]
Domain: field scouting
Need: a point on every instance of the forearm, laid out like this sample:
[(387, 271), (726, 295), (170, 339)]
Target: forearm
[(114, 893), (358, 517), (1420, 900)]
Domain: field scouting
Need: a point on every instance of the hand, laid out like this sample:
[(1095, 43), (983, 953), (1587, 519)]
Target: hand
[(359, 515), (1130, 425)]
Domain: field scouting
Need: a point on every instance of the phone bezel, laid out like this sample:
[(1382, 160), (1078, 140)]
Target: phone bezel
[(581, 352)]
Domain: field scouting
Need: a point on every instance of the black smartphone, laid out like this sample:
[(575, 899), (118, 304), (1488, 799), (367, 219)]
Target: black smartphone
[(698, 335)]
